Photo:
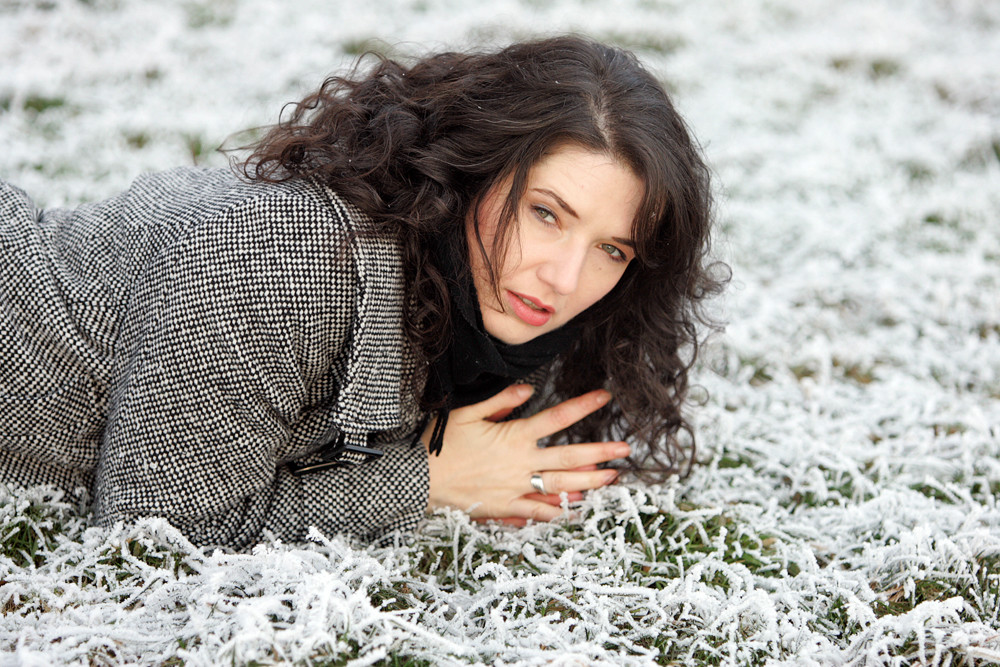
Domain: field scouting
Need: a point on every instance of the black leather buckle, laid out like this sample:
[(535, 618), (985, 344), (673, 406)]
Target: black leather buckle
[(338, 455)]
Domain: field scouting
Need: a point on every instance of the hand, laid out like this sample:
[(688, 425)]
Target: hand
[(485, 467)]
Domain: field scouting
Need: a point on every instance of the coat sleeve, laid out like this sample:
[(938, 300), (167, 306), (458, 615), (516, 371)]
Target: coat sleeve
[(227, 336)]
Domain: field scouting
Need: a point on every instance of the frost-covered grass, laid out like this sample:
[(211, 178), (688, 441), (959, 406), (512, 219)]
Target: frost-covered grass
[(844, 510)]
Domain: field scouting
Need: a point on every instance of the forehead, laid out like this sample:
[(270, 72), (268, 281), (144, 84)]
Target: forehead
[(571, 157), (589, 183)]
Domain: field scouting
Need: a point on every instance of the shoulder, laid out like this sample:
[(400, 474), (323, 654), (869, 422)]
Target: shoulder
[(311, 220), (12, 196), (299, 211), (271, 259), (194, 199), (293, 228), (290, 261)]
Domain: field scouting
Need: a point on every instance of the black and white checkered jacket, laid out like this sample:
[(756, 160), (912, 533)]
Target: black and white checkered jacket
[(179, 349)]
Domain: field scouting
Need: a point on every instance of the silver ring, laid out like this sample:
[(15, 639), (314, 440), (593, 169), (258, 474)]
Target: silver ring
[(538, 484)]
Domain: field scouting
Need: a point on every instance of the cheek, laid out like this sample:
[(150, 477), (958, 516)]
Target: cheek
[(477, 261), (481, 254), (512, 260), (529, 245), (599, 282)]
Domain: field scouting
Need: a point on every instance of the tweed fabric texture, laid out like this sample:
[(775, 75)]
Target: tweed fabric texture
[(171, 349)]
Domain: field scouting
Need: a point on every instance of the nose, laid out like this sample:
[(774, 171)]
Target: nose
[(563, 268)]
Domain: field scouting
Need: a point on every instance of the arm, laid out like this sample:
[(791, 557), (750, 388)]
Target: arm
[(230, 336)]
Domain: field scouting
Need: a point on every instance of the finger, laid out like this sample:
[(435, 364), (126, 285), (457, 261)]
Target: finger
[(498, 416), (532, 509), (567, 413), (583, 456), (508, 399), (507, 520), (555, 499), (559, 481)]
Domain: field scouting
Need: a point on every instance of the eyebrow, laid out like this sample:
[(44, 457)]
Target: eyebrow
[(569, 209), (559, 200)]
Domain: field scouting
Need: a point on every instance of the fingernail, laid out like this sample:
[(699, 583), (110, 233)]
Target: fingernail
[(603, 397), (525, 390), (610, 476), (622, 450)]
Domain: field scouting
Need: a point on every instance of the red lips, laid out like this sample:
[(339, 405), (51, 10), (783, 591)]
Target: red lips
[(526, 313)]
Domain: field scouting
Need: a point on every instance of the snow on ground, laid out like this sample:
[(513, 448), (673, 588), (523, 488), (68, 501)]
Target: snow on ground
[(851, 431)]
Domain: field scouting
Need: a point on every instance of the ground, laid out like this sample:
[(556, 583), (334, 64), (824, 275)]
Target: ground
[(843, 509)]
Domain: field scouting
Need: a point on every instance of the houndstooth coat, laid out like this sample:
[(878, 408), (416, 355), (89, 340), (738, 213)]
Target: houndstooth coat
[(180, 349)]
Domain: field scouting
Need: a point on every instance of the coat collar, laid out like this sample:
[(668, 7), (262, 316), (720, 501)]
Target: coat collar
[(377, 392)]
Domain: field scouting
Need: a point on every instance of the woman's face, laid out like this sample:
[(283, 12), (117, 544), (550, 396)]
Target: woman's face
[(570, 244)]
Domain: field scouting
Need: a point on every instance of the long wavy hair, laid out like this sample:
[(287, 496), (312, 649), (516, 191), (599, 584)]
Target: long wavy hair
[(417, 147)]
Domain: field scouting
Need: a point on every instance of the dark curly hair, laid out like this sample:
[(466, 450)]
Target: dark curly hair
[(416, 148)]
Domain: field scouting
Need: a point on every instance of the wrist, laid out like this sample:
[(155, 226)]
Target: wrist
[(433, 465), (434, 484)]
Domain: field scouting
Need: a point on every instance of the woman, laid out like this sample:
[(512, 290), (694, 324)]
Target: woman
[(349, 333)]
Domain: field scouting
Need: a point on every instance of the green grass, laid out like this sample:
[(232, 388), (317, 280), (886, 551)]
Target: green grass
[(28, 536), (40, 103), (363, 45), (875, 68), (652, 42)]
